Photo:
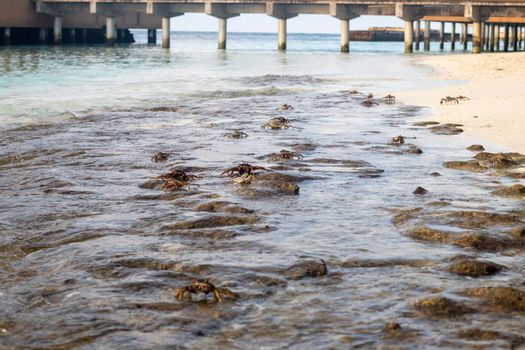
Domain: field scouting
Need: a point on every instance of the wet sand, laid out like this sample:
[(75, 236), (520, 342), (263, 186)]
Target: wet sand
[(494, 84)]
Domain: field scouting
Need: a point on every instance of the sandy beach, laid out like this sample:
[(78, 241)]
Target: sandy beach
[(495, 85)]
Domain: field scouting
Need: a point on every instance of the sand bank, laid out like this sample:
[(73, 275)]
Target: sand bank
[(495, 84)]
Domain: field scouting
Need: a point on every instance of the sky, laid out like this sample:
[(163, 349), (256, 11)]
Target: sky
[(267, 24)]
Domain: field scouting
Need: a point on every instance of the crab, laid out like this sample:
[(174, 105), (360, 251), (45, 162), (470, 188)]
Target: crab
[(244, 179), (179, 175), (285, 154), (369, 103), (398, 140), (241, 169), (172, 185), (205, 287), (370, 96), (160, 157), (448, 100), (236, 134), (462, 98), (175, 180), (389, 99), (285, 107), (276, 123)]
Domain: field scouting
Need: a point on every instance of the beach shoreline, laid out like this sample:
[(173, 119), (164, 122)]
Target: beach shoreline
[(494, 85)]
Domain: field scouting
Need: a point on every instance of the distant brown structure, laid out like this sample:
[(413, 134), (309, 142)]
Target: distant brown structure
[(70, 19)]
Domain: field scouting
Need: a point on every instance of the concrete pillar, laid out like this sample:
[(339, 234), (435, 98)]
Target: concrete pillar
[(111, 29), (345, 35), (409, 36), (152, 36), (515, 37), (166, 32), (7, 36), (42, 35), (492, 37), (442, 36), (57, 30), (497, 37), (476, 37), (281, 34), (84, 35), (465, 36), (506, 39), (453, 37), (426, 36), (73, 35), (222, 34), (418, 34)]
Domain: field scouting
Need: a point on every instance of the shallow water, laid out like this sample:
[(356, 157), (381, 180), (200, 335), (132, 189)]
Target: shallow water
[(91, 258)]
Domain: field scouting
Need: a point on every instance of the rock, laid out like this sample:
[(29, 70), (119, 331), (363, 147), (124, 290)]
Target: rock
[(446, 129), (518, 232), (516, 190), (284, 187), (485, 334), (435, 174), (474, 268), (466, 240), (441, 307), (495, 160), (482, 219), (221, 206), (213, 221), (476, 148), (307, 268), (471, 165), (420, 190), (391, 327), (414, 150), (504, 299), (429, 123)]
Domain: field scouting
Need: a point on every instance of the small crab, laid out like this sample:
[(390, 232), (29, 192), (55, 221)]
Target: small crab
[(172, 185), (369, 103), (160, 157), (398, 140), (276, 123), (462, 98), (244, 179), (285, 107), (236, 134), (370, 96), (176, 174), (448, 100), (205, 287), (285, 154), (241, 169), (389, 99)]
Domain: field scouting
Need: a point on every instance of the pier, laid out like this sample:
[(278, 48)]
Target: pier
[(487, 23)]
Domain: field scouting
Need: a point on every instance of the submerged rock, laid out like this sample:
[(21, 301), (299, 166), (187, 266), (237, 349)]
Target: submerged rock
[(428, 123), (496, 160), (471, 165), (476, 148), (222, 206), (485, 334), (307, 268), (474, 268), (441, 307), (446, 129), (420, 190), (504, 299), (517, 190), (214, 221)]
